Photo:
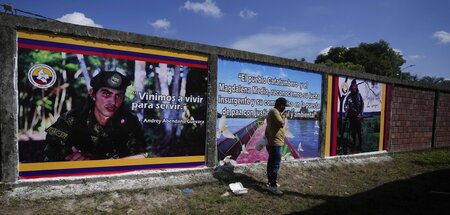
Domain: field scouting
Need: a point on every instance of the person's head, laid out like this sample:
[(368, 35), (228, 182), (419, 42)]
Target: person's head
[(353, 86), (108, 92), (280, 104)]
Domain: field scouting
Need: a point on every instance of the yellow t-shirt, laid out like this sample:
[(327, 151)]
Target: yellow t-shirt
[(275, 131)]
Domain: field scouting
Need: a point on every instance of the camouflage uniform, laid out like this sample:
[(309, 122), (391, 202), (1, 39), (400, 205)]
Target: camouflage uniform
[(121, 137)]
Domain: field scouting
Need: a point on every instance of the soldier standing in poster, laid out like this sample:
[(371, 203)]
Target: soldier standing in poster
[(354, 108), (103, 129)]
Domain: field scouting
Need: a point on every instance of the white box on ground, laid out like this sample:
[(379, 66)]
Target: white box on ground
[(237, 188)]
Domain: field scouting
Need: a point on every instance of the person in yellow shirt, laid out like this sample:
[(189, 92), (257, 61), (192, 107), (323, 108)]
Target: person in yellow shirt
[(275, 133)]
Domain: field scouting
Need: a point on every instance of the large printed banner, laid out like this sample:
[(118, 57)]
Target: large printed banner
[(146, 108), (358, 116), (246, 93)]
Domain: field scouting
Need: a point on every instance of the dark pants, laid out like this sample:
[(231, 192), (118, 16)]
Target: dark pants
[(355, 129), (273, 164)]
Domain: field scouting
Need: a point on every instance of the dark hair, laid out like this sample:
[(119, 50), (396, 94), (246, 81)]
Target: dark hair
[(281, 101)]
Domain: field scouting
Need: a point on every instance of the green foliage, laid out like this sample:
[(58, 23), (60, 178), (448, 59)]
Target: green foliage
[(48, 104), (129, 93), (408, 76), (344, 65), (431, 80), (335, 55), (71, 67), (46, 57), (375, 58), (445, 83), (94, 61)]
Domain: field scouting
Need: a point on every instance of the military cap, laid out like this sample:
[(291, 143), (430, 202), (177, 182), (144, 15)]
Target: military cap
[(110, 79)]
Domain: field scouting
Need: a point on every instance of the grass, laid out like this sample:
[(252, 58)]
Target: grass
[(409, 183)]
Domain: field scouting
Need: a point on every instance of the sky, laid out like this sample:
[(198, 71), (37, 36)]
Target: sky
[(418, 29)]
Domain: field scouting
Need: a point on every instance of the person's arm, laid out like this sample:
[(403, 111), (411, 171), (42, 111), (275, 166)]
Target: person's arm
[(56, 140), (346, 106), (279, 119), (138, 156), (59, 146), (77, 155), (361, 109)]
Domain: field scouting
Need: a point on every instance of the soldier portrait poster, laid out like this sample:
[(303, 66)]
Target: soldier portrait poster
[(358, 116), (166, 99), (246, 92)]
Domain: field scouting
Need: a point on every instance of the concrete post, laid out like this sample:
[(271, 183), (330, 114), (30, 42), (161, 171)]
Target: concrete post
[(323, 116), (211, 114), (435, 113), (8, 100)]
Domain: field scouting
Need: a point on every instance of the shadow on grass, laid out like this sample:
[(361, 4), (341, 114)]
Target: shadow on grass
[(428, 193)]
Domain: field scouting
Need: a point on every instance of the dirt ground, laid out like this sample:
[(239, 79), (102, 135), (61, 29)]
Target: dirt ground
[(308, 186)]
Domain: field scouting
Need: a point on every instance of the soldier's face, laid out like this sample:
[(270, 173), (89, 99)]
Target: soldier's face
[(353, 88), (107, 101)]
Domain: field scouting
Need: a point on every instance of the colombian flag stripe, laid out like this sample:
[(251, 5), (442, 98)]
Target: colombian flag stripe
[(103, 170), (60, 44), (334, 115), (24, 167), (386, 116), (94, 167), (60, 47), (329, 111), (382, 117), (108, 45)]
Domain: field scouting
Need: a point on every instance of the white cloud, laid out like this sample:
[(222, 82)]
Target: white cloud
[(398, 51), (415, 57), (325, 50), (442, 36), (282, 73), (163, 24), (247, 14), (290, 45), (79, 19), (409, 57), (251, 72), (208, 8)]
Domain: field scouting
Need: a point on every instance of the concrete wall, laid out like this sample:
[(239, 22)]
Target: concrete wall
[(418, 121)]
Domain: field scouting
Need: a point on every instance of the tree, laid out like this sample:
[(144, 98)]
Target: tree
[(336, 55), (376, 58), (432, 80), (445, 83), (408, 76), (436, 81)]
